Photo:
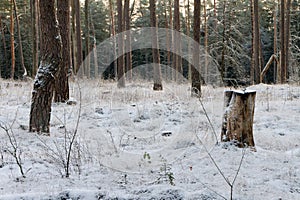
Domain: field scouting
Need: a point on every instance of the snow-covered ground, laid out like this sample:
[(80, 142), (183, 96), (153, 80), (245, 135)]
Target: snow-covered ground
[(135, 143)]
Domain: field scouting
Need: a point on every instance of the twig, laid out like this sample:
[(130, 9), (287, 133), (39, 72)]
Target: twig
[(208, 119)]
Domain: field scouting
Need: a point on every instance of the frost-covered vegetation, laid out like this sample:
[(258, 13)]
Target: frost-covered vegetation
[(135, 143)]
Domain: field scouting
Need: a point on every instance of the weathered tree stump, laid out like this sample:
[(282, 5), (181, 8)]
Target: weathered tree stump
[(237, 125)]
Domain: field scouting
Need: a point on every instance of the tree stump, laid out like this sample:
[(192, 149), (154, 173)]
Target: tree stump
[(237, 125)]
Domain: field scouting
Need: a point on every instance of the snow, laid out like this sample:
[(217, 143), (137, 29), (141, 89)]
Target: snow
[(122, 150)]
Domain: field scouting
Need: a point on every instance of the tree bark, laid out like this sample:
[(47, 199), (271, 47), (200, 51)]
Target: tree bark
[(237, 123), (155, 48), (62, 83), (44, 82), (196, 77), (120, 60)]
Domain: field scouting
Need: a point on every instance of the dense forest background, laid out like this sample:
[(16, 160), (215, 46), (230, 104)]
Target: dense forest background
[(226, 32)]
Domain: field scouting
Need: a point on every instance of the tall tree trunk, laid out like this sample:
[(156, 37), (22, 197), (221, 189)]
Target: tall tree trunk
[(205, 42), (87, 62), (78, 35), (188, 30), (113, 33), (177, 57), (4, 42), (282, 43), (256, 43), (168, 46), (74, 38), (128, 64), (287, 38), (275, 40), (44, 82), (172, 55), (155, 48), (120, 60), (12, 41), (35, 35), (196, 77), (19, 39), (62, 83)]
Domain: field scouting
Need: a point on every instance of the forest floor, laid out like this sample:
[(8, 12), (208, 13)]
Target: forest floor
[(134, 143)]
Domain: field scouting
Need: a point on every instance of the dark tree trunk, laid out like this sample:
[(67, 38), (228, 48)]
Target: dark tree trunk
[(155, 48), (177, 41), (44, 82), (275, 79), (196, 79), (62, 84), (282, 43), (87, 62), (256, 44), (78, 35), (4, 42), (120, 60), (237, 123)]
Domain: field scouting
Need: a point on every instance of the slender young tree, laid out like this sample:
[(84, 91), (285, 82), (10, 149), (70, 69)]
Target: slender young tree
[(120, 60), (196, 78), (155, 48), (44, 83), (62, 84)]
